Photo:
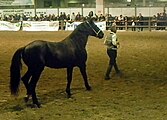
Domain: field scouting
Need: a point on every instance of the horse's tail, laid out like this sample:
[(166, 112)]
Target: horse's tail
[(15, 71)]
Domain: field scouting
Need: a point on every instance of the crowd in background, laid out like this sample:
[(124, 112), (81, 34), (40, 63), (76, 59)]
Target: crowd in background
[(50, 17), (156, 20)]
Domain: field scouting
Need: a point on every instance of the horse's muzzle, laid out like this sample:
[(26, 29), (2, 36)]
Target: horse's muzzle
[(100, 35)]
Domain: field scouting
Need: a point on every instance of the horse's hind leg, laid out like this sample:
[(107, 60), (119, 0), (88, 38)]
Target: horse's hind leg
[(25, 80), (32, 85), (84, 75)]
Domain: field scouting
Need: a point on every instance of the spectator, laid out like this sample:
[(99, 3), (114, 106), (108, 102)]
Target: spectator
[(140, 22), (114, 23), (154, 21), (90, 16), (133, 23), (54, 18), (101, 18), (116, 20), (68, 17), (62, 16), (78, 17), (36, 18), (109, 19), (158, 23), (96, 17), (73, 17), (163, 20), (121, 20)]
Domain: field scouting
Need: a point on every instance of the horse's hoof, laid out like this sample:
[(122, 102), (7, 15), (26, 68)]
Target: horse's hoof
[(68, 95), (88, 88), (39, 105)]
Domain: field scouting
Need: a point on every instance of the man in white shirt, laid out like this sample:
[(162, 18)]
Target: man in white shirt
[(112, 44)]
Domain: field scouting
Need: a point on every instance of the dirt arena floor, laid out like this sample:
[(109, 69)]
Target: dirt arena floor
[(140, 94)]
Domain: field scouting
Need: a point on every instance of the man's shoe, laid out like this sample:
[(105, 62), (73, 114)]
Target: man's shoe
[(107, 78), (119, 73)]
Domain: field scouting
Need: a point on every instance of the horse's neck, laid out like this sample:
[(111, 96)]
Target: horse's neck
[(79, 38)]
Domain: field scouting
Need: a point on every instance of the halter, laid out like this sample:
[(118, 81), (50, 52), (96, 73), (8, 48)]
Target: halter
[(94, 29)]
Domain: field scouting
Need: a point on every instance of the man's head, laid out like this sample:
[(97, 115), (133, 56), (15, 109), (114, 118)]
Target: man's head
[(90, 14), (113, 29)]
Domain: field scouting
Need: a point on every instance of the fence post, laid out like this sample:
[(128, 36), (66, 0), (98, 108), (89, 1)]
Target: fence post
[(149, 24)]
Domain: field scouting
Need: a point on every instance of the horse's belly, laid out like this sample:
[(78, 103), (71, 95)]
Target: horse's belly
[(61, 64)]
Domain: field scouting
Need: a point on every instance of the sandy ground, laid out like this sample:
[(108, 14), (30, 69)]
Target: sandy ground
[(140, 94)]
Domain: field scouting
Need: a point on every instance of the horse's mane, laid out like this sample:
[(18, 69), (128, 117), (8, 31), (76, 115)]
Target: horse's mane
[(78, 35), (79, 28)]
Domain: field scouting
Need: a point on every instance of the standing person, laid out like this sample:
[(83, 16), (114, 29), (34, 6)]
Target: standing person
[(78, 17), (133, 23), (140, 22), (91, 16), (121, 20), (21, 22), (73, 17), (112, 44)]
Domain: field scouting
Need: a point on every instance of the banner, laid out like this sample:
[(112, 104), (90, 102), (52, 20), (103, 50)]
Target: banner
[(30, 26), (101, 25), (40, 25), (73, 25), (8, 26)]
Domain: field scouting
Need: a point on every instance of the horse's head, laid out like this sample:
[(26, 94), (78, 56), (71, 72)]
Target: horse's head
[(93, 29)]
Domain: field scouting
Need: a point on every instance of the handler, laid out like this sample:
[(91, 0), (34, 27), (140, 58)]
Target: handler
[(112, 44)]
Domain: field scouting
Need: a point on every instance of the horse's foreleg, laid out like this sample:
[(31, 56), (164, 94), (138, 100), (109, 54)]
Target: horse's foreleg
[(84, 75), (69, 79)]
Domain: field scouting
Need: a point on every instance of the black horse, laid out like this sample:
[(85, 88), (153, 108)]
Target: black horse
[(67, 53)]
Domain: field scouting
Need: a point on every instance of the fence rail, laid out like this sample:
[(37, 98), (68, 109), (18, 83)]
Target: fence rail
[(145, 24)]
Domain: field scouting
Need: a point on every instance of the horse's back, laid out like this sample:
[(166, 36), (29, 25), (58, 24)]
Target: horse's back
[(36, 44), (61, 54), (50, 54)]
